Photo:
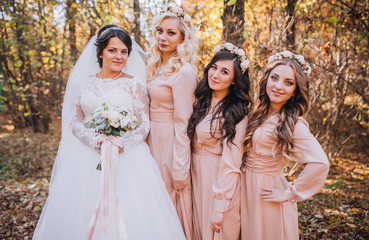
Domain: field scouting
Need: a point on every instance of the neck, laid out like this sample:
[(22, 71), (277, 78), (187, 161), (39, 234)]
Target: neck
[(109, 74), (166, 57), (273, 109), (219, 94)]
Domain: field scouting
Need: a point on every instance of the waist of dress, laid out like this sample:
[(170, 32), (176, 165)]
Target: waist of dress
[(161, 117), (265, 165), (204, 152)]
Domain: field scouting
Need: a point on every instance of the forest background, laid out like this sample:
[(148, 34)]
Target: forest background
[(41, 40)]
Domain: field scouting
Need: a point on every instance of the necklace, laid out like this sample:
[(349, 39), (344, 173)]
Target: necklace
[(99, 76), (161, 70)]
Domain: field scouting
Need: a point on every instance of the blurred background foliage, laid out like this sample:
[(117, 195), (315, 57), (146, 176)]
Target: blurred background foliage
[(41, 40)]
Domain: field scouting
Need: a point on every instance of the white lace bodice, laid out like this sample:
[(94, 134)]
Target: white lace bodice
[(128, 92)]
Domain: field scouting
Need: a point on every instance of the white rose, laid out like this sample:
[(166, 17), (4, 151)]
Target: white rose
[(229, 46), (124, 122), (245, 64), (287, 54), (271, 59), (217, 49), (240, 52), (187, 18)]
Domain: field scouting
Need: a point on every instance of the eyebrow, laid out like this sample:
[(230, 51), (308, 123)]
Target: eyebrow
[(169, 29), (273, 73), (116, 48), (224, 68)]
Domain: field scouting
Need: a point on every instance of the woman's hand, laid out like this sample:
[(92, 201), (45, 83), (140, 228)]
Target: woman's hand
[(180, 184), (216, 220), (273, 195)]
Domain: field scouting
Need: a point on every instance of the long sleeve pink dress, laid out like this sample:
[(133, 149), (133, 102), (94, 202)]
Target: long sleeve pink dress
[(279, 220), (215, 173), (170, 109)]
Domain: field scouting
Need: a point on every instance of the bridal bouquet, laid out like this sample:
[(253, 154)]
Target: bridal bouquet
[(112, 120)]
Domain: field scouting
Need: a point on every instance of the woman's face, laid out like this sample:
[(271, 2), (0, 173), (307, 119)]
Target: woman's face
[(114, 56), (220, 77), (281, 85), (169, 35)]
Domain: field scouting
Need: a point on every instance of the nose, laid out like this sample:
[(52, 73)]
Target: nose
[(119, 55), (278, 85), (216, 74), (163, 37)]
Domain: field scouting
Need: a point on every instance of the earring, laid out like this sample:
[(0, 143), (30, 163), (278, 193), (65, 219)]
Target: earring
[(293, 99)]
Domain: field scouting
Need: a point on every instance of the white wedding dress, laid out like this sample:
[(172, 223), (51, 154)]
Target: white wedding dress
[(146, 207)]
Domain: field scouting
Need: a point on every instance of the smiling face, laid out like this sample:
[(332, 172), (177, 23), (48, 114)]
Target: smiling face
[(169, 36), (220, 77), (281, 86), (114, 56)]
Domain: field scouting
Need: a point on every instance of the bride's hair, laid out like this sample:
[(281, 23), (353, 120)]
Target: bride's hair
[(296, 106), (232, 108), (104, 35), (186, 51)]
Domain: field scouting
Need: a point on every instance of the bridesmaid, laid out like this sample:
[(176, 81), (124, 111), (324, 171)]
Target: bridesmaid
[(171, 83), (277, 133), (217, 128)]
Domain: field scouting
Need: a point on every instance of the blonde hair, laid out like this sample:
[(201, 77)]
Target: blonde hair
[(296, 106), (186, 51)]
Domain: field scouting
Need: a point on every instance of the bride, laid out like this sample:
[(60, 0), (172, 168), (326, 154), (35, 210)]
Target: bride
[(127, 198)]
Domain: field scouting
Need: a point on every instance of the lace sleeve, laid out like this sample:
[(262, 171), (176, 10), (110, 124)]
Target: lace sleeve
[(141, 111), (78, 129)]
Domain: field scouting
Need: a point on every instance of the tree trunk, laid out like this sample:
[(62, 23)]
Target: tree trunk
[(136, 23), (71, 23), (291, 26), (233, 22)]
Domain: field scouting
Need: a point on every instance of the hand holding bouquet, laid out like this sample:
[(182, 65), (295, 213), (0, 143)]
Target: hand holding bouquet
[(112, 120)]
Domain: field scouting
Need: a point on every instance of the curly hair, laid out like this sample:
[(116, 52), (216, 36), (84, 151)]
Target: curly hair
[(232, 108), (296, 106), (186, 51)]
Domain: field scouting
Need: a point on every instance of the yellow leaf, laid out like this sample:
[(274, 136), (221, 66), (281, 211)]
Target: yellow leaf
[(231, 2)]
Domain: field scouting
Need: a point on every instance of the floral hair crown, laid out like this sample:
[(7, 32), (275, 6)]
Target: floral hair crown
[(240, 53), (179, 12), (174, 9), (287, 54)]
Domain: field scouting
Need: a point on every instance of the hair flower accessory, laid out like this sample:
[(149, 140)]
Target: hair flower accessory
[(240, 53), (174, 9), (287, 54)]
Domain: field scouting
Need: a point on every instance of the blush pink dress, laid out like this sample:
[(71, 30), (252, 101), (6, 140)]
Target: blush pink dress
[(170, 109), (215, 173), (274, 220)]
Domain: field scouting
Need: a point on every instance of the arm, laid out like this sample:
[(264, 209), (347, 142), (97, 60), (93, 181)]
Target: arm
[(183, 89), (312, 178), (141, 111), (228, 178), (79, 130)]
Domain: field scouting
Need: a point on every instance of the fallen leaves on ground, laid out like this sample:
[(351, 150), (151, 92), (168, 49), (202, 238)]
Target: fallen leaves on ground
[(339, 211)]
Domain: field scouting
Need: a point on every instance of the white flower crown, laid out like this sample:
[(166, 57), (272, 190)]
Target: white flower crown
[(174, 9), (287, 54), (240, 53), (177, 11)]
